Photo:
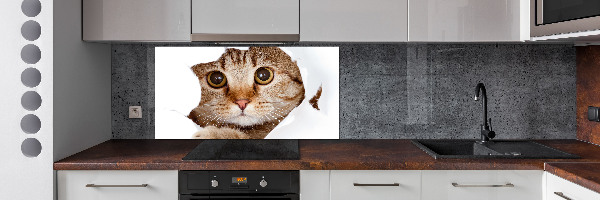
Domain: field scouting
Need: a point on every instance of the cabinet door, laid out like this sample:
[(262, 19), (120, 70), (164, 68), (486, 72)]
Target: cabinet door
[(468, 20), (245, 17), (354, 20), (371, 185), (314, 184), (561, 189), (482, 184), (117, 185), (136, 20)]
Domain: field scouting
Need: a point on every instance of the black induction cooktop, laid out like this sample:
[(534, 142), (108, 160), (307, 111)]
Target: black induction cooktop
[(245, 150)]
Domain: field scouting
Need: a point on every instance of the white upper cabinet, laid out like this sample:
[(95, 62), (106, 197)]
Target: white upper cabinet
[(468, 20), (244, 20), (354, 20), (136, 20)]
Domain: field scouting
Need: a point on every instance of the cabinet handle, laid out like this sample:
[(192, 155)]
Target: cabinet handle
[(560, 194), (361, 184), (505, 185), (94, 185)]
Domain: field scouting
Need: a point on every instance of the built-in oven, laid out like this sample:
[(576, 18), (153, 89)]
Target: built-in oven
[(233, 185), (554, 17)]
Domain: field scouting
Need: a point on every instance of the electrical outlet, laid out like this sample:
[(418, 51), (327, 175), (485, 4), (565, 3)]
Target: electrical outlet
[(135, 112)]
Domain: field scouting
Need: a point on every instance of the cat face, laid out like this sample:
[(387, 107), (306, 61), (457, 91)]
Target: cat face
[(247, 88)]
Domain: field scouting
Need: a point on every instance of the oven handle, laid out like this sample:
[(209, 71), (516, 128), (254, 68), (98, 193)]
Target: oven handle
[(192, 197), (250, 197)]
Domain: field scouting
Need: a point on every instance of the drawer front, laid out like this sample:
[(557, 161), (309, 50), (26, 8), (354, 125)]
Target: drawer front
[(482, 184), (162, 185), (566, 189), (408, 184)]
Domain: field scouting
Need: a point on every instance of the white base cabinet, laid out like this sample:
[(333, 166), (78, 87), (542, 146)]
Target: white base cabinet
[(314, 184), (380, 185), (561, 189), (482, 184), (340, 185), (117, 185)]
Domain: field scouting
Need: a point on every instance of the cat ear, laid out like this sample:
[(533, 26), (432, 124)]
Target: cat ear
[(315, 100)]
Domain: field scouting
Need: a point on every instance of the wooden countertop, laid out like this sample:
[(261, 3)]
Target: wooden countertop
[(332, 155), (374, 154), (581, 173)]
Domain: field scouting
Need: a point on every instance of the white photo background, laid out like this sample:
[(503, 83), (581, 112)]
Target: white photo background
[(177, 92)]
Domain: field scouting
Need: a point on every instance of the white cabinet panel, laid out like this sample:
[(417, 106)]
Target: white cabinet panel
[(245, 17), (468, 20), (567, 189), (314, 184), (438, 185), (162, 185), (408, 184), (354, 20), (136, 20)]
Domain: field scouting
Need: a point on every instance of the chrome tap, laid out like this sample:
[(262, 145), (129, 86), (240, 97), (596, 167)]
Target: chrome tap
[(486, 130)]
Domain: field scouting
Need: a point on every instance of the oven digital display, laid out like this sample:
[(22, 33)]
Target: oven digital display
[(239, 180)]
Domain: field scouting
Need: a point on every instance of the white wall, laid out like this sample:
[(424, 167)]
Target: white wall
[(82, 84), (24, 177), (74, 88)]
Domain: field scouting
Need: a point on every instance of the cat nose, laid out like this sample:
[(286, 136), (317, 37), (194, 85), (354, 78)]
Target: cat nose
[(242, 103)]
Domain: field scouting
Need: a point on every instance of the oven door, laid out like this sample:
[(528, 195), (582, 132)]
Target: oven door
[(236, 197)]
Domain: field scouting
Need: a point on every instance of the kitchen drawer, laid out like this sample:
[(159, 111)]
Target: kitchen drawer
[(162, 185), (479, 184), (408, 184), (568, 189)]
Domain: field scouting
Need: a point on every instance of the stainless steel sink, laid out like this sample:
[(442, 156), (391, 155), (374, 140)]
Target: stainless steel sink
[(492, 149)]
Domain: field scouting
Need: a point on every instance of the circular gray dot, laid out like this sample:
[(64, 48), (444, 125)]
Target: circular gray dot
[(31, 54), (31, 124), (31, 77), (31, 100), (31, 147), (31, 8), (31, 30)]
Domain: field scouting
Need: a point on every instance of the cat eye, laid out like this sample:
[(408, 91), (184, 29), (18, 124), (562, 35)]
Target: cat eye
[(216, 79), (263, 76)]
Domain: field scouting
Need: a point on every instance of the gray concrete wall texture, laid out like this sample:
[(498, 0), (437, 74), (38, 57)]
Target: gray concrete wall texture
[(407, 91)]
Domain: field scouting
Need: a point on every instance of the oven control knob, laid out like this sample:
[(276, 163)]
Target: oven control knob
[(263, 183), (214, 183)]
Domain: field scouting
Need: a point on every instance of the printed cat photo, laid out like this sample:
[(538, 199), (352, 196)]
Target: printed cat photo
[(247, 92)]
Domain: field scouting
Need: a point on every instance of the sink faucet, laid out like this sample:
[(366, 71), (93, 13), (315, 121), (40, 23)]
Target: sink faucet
[(486, 130)]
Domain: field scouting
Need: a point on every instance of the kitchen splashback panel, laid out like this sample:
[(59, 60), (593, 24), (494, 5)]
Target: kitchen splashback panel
[(407, 90)]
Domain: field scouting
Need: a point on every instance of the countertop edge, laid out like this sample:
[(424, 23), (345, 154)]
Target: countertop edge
[(581, 180)]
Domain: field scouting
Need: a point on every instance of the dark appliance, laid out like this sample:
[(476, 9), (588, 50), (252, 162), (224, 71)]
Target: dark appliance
[(233, 185), (245, 150), (554, 11), (553, 17)]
